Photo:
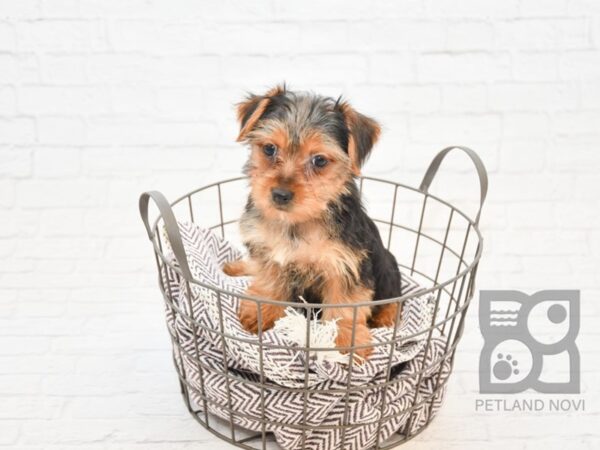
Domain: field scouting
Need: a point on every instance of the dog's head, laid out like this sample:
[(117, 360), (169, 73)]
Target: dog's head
[(304, 150)]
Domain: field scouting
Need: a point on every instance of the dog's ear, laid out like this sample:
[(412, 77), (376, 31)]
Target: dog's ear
[(364, 133), (251, 110)]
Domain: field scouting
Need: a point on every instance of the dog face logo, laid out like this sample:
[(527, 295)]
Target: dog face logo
[(529, 342)]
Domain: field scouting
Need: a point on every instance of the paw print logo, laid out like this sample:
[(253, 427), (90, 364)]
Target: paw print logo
[(529, 339), (510, 363), (505, 367)]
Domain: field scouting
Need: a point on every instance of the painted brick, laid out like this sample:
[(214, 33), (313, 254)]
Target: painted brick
[(470, 35), (580, 65), (56, 162), (463, 67), (56, 35), (61, 130), (8, 37), (542, 34), (392, 68), (63, 100), (8, 69), (533, 96), (64, 69), (15, 163), (45, 194), (536, 66), (469, 98)]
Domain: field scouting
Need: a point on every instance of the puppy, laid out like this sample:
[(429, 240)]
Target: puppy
[(305, 228)]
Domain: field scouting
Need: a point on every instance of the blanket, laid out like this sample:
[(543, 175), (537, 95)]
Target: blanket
[(313, 407)]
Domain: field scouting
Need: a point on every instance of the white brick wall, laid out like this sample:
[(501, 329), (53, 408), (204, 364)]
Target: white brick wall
[(100, 100)]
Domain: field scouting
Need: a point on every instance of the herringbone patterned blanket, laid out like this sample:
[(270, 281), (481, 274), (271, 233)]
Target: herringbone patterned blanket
[(288, 385)]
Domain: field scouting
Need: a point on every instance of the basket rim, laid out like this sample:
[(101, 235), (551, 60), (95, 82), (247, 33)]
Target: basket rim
[(401, 299)]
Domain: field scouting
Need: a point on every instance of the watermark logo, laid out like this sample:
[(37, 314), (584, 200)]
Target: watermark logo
[(529, 342)]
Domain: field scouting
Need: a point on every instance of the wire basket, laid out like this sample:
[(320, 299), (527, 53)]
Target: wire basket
[(433, 241)]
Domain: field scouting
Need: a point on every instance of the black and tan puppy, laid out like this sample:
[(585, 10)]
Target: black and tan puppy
[(304, 225)]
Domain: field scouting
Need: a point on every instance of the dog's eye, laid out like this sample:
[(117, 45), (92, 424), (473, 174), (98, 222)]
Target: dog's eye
[(319, 161), (269, 150)]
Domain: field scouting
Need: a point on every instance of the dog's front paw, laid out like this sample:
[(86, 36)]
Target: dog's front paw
[(362, 336), (248, 315), (385, 317), (238, 268)]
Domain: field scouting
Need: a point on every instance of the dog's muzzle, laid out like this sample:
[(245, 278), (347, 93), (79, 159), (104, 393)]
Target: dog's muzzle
[(281, 197)]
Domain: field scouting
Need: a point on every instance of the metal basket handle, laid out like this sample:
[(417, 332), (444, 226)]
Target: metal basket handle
[(171, 227), (435, 164)]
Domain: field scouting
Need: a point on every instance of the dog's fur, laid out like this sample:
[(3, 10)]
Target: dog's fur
[(320, 245)]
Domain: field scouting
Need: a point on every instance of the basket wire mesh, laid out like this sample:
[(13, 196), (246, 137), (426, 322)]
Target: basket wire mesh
[(416, 220)]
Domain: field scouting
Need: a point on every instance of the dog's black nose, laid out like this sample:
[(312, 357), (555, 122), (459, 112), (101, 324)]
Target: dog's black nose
[(281, 196)]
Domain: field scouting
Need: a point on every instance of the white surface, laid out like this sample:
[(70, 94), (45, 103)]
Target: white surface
[(100, 100)]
